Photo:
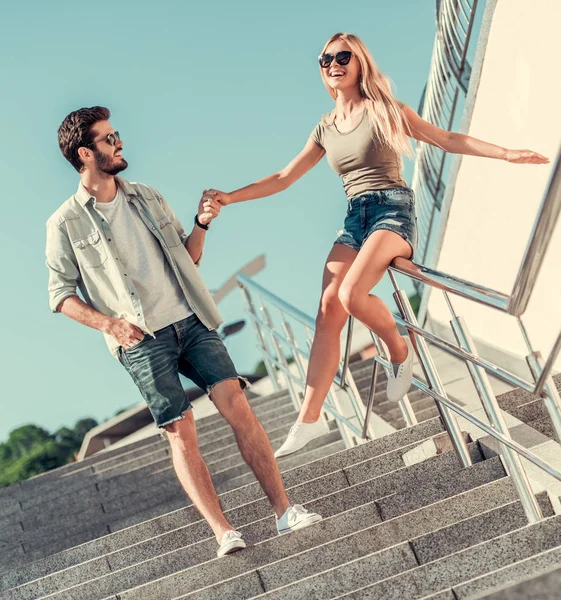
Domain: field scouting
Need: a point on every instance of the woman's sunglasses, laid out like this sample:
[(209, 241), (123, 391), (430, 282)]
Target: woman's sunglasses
[(110, 138), (341, 58)]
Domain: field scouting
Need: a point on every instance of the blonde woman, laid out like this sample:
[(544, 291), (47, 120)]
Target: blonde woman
[(364, 138)]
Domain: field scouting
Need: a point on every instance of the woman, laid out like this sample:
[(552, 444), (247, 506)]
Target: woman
[(364, 138)]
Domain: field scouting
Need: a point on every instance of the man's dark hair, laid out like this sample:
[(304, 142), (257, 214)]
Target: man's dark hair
[(76, 131)]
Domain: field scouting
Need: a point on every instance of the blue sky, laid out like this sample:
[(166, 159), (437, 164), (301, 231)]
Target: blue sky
[(205, 94)]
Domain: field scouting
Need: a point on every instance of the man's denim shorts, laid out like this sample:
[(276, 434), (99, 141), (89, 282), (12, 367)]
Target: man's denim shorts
[(392, 209), (185, 347)]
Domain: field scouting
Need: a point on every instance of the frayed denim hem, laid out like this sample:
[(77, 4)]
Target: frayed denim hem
[(244, 383), (179, 418)]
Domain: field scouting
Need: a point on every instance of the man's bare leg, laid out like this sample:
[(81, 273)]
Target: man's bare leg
[(252, 440), (194, 475)]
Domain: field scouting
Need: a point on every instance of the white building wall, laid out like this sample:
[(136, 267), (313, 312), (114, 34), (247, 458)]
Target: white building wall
[(518, 106)]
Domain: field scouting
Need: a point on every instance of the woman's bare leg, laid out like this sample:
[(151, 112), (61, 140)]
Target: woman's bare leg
[(369, 267), (330, 320)]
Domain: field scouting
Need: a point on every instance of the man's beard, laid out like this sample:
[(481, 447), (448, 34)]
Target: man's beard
[(103, 163)]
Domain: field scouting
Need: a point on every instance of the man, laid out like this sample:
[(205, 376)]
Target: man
[(121, 244)]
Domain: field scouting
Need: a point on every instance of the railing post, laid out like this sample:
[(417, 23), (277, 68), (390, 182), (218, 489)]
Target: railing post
[(545, 386), (296, 400), (297, 358), (512, 460), (271, 370), (370, 403), (405, 407), (348, 344), (449, 420), (551, 399)]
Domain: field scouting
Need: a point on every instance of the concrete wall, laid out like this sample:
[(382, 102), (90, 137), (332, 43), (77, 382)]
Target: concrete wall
[(518, 105)]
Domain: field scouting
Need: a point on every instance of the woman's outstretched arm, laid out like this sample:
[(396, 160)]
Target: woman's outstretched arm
[(277, 182), (458, 143)]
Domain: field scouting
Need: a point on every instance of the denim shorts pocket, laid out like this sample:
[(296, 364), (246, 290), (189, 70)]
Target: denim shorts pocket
[(90, 251), (136, 346), (402, 200)]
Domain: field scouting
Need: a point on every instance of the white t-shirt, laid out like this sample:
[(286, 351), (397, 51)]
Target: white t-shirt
[(144, 262)]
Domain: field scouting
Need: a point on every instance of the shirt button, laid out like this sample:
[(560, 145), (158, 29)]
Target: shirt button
[(108, 239), (138, 314), (132, 293), (125, 275)]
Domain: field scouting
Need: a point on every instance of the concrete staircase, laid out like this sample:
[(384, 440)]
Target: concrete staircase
[(531, 410), (398, 523), (423, 406)]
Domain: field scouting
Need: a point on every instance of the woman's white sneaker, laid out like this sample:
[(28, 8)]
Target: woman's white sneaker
[(296, 517), (299, 435), (231, 542), (401, 375)]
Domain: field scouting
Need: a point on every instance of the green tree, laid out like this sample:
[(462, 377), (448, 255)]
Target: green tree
[(30, 450)]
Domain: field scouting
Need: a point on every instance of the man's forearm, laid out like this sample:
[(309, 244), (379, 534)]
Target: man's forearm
[(195, 242), (79, 311)]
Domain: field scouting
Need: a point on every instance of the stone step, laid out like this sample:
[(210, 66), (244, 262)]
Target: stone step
[(544, 426), (519, 571), (112, 482), (241, 474), (420, 528), (275, 548), (131, 462), (263, 407), (438, 468), (61, 472), (424, 580), (162, 495), (531, 411), (45, 525), (517, 397), (385, 463), (51, 478), (545, 586)]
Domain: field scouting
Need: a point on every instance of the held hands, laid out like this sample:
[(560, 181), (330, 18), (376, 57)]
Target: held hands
[(126, 334), (209, 206), (521, 157)]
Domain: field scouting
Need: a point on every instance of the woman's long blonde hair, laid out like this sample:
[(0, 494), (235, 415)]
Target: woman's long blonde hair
[(384, 111)]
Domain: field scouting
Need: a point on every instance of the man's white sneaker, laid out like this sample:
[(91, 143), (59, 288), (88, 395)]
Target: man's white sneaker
[(301, 434), (400, 376), (296, 517), (231, 542)]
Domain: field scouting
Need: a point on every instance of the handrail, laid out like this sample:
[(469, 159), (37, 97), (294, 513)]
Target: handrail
[(257, 297), (536, 460), (538, 243), (487, 297), (451, 283), (465, 350)]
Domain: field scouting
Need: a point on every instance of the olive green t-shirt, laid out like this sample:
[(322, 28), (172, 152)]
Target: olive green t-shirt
[(362, 162)]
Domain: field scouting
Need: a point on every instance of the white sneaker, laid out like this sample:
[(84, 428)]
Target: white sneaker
[(299, 435), (401, 375), (231, 542), (296, 517)]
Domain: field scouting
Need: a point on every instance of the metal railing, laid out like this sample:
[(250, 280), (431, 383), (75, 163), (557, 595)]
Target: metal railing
[(447, 83), (357, 426), (515, 305), (280, 349)]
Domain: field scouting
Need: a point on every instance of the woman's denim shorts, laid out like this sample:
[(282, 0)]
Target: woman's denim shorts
[(185, 347), (392, 209)]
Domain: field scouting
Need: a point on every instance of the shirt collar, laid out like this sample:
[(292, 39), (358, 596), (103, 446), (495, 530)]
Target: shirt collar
[(83, 196)]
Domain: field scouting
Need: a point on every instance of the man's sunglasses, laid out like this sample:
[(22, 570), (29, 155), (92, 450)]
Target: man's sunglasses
[(341, 58), (110, 138)]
